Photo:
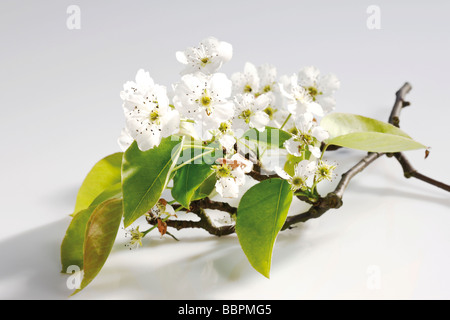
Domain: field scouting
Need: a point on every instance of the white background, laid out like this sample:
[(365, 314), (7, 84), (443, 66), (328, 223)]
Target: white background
[(61, 112)]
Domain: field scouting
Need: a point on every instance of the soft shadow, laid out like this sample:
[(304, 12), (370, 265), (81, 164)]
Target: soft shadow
[(412, 195), (30, 267)]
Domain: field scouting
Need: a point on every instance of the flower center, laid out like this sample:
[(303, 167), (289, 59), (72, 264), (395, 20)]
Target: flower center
[(223, 171), (267, 88), (205, 101), (307, 139), (247, 88), (154, 116), (245, 115), (270, 112), (298, 183), (205, 60), (224, 127), (313, 92)]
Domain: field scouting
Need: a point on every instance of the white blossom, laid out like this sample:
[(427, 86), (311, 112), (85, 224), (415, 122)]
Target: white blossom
[(207, 57), (149, 118), (320, 88), (230, 175), (260, 81), (226, 136), (298, 99), (250, 112), (302, 173), (307, 136), (325, 171), (204, 99), (247, 81)]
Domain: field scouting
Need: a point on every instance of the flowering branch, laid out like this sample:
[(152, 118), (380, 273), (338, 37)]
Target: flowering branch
[(323, 204)]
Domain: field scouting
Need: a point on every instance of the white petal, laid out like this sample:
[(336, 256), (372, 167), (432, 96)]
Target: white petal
[(267, 74), (227, 188), (259, 120), (143, 81), (170, 123), (283, 174), (293, 147), (181, 57), (220, 86), (262, 102), (305, 168), (315, 151), (328, 84), (227, 141), (328, 103), (225, 51), (307, 77), (315, 108), (320, 134), (304, 122), (125, 140)]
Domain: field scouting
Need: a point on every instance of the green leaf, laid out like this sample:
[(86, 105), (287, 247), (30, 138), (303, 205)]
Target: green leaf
[(103, 175), (268, 139), (292, 161), (100, 235), (206, 189), (112, 192), (187, 180), (261, 214), (361, 133), (145, 176), (73, 243), (376, 142)]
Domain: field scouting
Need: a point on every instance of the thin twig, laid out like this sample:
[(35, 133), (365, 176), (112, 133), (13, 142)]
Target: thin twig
[(408, 170)]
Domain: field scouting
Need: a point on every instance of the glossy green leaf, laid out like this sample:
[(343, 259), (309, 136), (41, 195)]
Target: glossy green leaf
[(103, 175), (101, 233), (261, 214), (145, 176), (187, 180), (362, 133), (73, 243), (270, 138)]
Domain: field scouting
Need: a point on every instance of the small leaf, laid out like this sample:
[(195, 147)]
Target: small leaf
[(103, 175), (100, 235), (268, 139), (362, 133), (261, 214), (187, 180), (145, 176)]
